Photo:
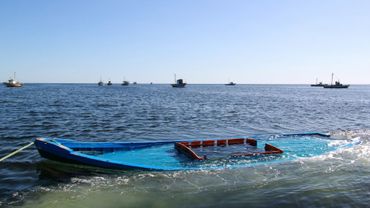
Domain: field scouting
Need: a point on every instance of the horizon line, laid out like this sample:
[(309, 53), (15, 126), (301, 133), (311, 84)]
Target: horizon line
[(148, 83)]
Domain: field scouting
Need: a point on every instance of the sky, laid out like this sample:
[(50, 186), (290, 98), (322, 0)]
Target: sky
[(202, 41)]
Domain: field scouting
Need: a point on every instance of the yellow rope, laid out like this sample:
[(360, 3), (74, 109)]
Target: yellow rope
[(15, 152)]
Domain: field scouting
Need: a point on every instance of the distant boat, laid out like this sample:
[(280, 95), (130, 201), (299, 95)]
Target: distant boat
[(320, 84), (317, 84), (230, 84), (101, 83), (134, 83), (109, 83), (124, 82), (12, 82), (336, 85), (179, 83)]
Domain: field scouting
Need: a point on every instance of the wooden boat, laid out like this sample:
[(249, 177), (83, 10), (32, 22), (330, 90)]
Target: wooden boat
[(12, 82), (183, 155)]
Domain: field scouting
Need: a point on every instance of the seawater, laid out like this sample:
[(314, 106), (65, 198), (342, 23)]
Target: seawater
[(87, 112)]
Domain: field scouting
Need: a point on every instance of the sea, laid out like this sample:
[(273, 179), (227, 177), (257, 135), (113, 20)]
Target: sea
[(144, 112)]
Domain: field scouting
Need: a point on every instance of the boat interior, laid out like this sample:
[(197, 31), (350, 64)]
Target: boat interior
[(215, 149)]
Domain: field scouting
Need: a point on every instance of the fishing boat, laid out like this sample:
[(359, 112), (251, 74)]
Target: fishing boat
[(336, 85), (230, 84), (317, 84), (125, 83), (185, 155), (179, 83), (12, 82), (109, 83), (101, 83)]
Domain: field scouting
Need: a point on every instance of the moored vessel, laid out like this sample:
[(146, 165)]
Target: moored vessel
[(230, 84), (336, 85), (125, 82), (101, 83), (317, 84), (12, 82), (179, 83)]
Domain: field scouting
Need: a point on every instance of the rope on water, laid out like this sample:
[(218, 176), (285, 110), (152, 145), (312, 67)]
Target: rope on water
[(16, 151)]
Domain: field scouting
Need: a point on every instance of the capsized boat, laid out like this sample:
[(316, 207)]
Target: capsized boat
[(186, 155)]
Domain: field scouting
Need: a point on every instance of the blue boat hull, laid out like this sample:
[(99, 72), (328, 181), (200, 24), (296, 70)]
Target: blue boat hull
[(163, 156), (67, 151)]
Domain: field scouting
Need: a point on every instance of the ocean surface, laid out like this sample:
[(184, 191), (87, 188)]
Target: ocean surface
[(87, 112)]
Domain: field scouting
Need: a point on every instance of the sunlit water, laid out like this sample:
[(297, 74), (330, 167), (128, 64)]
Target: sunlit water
[(336, 178)]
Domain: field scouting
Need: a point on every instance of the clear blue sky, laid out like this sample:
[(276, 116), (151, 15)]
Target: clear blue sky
[(202, 41)]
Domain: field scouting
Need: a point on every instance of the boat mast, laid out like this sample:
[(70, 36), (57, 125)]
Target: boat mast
[(316, 81), (14, 76), (175, 78), (332, 76)]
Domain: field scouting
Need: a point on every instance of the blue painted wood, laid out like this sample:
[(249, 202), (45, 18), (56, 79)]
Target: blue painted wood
[(158, 155)]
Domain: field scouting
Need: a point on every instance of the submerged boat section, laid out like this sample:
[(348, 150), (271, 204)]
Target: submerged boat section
[(186, 155), (217, 149)]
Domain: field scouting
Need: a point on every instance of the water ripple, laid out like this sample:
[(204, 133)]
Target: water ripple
[(158, 112)]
